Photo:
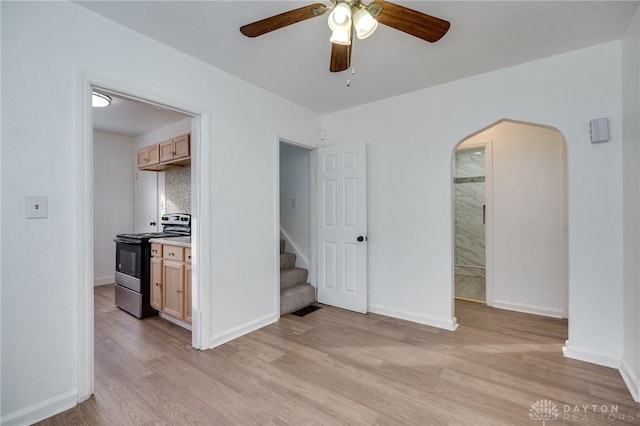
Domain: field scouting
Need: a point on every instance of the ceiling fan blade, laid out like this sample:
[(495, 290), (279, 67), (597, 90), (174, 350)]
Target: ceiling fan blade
[(340, 56), (410, 21), (276, 22)]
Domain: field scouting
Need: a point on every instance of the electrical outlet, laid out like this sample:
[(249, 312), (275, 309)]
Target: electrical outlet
[(36, 207)]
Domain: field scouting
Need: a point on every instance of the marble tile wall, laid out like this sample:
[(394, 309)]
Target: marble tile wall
[(469, 199), (177, 187)]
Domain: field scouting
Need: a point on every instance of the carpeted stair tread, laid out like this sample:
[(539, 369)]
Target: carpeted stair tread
[(294, 298), (287, 261), (293, 277)]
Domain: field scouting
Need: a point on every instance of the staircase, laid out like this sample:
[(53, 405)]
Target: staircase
[(295, 292)]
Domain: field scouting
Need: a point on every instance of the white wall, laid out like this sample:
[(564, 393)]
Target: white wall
[(410, 220), (114, 159), (528, 218), (295, 173), (47, 47), (631, 185)]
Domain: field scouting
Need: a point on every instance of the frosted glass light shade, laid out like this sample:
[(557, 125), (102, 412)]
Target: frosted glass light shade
[(340, 17), (364, 23), (340, 36)]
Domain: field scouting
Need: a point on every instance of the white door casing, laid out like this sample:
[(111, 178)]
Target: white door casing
[(342, 226)]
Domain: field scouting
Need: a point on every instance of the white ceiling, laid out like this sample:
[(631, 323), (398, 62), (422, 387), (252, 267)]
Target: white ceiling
[(131, 118), (293, 62)]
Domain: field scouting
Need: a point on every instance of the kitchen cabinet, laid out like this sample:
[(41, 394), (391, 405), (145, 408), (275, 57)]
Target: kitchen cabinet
[(187, 285), (171, 280), (173, 152), (156, 277), (148, 156), (173, 296), (175, 149)]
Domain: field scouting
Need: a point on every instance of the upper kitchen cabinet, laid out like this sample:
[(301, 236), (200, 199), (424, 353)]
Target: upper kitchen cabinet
[(148, 156), (170, 153), (175, 149)]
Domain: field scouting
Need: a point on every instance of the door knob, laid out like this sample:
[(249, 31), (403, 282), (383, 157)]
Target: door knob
[(361, 238)]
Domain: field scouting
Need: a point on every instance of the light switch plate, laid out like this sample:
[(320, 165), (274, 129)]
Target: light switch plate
[(36, 207)]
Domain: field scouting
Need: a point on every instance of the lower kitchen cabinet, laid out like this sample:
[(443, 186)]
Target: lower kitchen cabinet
[(156, 283), (173, 297), (187, 292), (171, 280)]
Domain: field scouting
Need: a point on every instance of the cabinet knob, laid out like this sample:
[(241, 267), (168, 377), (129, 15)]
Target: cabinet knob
[(179, 291)]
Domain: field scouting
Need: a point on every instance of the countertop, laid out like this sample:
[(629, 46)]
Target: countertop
[(174, 241)]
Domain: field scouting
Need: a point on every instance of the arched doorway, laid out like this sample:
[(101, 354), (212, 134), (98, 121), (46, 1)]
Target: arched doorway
[(518, 237)]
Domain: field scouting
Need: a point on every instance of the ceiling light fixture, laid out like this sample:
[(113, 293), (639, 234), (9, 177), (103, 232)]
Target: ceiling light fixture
[(99, 100), (346, 13), (340, 23), (364, 23)]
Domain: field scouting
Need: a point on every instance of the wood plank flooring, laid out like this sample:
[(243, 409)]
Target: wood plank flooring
[(334, 367)]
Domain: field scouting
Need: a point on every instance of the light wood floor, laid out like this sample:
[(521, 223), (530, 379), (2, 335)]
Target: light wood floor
[(336, 367)]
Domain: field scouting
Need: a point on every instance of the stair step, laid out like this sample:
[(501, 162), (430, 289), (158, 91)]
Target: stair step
[(287, 261), (292, 277), (282, 244), (294, 298)]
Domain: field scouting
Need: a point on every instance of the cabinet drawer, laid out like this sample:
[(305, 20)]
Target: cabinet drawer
[(173, 252), (187, 255), (156, 250)]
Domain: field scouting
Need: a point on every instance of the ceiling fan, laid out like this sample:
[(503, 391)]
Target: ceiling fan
[(349, 16)]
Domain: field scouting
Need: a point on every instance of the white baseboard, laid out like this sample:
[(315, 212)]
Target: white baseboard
[(176, 321), (631, 380), (527, 309), (236, 332), (42, 410), (583, 354), (104, 281), (450, 324)]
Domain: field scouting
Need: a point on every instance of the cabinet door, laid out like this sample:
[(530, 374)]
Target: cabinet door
[(187, 292), (143, 157), (173, 295), (166, 151), (156, 283), (153, 154), (181, 146)]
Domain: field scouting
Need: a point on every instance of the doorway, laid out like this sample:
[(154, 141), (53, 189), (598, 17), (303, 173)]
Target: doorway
[(524, 215), (86, 223), (469, 223)]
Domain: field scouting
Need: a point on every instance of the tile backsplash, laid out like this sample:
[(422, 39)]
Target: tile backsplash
[(177, 183)]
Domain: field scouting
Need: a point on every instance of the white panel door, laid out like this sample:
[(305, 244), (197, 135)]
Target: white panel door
[(342, 226), (146, 202)]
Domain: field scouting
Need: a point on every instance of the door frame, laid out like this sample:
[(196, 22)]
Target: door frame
[(284, 137), (200, 130)]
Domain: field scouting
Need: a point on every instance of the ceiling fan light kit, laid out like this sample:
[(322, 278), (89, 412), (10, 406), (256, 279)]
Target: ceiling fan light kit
[(364, 23), (347, 17)]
